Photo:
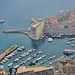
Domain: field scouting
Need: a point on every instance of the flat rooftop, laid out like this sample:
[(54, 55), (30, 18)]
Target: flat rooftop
[(33, 68)]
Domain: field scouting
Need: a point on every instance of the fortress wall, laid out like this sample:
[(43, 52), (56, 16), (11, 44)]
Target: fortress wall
[(56, 30), (26, 73), (39, 30), (44, 72)]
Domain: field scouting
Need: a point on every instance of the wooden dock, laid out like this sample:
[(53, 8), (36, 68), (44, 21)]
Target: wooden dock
[(8, 51)]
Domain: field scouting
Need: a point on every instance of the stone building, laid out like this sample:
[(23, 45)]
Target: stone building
[(36, 30), (63, 15), (65, 66), (2, 71)]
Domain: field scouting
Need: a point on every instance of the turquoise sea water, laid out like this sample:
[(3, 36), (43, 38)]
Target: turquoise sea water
[(17, 15)]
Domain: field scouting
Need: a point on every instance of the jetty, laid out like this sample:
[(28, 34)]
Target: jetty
[(8, 51), (26, 32), (16, 31)]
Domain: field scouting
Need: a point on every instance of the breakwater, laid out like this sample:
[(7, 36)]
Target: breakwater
[(26, 32), (8, 51)]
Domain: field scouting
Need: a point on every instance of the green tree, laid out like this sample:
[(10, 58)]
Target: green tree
[(10, 70), (31, 63), (15, 71)]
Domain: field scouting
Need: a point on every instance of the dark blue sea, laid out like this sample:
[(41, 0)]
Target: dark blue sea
[(17, 15)]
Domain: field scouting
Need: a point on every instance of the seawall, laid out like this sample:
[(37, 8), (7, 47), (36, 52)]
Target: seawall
[(7, 51)]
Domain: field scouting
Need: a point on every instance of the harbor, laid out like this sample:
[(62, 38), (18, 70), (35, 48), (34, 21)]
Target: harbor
[(34, 57), (19, 58)]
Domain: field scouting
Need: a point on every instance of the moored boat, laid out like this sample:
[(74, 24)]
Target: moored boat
[(16, 66), (1, 21), (16, 60), (40, 52), (54, 56), (10, 64), (21, 48), (50, 63), (68, 43), (68, 52), (50, 39), (73, 45)]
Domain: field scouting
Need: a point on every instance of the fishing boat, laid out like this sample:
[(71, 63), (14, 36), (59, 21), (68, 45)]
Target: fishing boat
[(68, 52)]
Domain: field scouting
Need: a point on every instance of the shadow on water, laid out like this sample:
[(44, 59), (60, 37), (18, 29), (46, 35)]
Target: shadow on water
[(36, 44)]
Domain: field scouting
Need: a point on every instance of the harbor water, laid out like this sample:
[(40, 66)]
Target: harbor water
[(17, 14)]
